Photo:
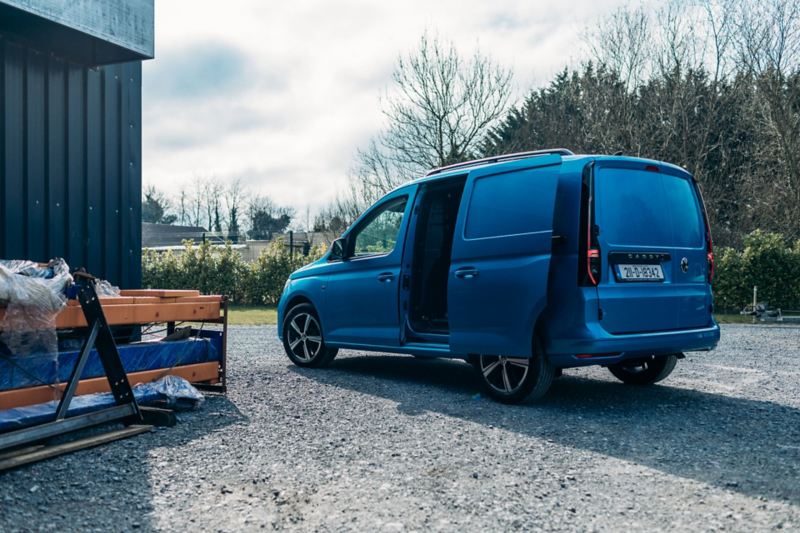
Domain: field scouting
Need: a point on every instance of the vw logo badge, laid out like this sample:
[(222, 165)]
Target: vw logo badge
[(684, 265)]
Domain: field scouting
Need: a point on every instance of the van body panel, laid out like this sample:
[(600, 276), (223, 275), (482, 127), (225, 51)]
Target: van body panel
[(513, 277), (604, 348), (650, 215), (501, 257), (361, 302)]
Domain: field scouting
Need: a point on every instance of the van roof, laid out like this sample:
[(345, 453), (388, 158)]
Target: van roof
[(567, 156)]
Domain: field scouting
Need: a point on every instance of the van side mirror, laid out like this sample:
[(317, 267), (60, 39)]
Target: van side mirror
[(337, 249)]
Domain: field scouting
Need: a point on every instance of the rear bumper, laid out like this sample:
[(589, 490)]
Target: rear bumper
[(598, 347)]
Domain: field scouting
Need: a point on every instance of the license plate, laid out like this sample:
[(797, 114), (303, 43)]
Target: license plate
[(640, 273)]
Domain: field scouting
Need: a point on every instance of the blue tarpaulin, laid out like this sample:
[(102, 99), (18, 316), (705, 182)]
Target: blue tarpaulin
[(39, 369), (176, 391)]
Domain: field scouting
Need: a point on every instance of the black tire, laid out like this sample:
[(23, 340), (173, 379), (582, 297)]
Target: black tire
[(302, 338), (513, 379), (644, 371)]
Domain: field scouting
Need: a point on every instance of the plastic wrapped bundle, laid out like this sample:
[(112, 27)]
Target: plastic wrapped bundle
[(105, 289), (175, 391), (32, 296)]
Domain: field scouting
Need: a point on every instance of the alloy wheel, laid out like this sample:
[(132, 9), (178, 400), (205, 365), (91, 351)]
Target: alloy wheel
[(504, 374), (304, 336)]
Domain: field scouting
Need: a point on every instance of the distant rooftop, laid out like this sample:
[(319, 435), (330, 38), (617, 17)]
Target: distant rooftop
[(158, 235)]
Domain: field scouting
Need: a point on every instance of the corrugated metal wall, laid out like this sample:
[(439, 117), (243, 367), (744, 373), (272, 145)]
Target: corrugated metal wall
[(70, 162)]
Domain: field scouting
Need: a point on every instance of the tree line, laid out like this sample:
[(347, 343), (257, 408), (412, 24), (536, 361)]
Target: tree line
[(216, 206), (711, 85)]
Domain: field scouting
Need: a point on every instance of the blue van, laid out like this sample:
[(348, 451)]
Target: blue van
[(523, 265)]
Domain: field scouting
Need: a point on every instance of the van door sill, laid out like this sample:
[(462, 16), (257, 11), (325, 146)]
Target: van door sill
[(428, 346)]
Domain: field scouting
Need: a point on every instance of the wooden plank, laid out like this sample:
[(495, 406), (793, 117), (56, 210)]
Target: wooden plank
[(128, 300), (72, 317), (26, 449), (193, 299), (81, 444), (122, 300), (157, 306), (40, 394), (169, 293)]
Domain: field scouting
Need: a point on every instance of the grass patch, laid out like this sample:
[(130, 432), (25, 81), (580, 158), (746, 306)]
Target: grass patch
[(734, 319), (252, 315)]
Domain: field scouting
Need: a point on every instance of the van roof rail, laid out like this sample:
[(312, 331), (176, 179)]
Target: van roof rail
[(500, 158)]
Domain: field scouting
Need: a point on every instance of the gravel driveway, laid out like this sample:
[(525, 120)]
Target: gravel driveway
[(393, 443)]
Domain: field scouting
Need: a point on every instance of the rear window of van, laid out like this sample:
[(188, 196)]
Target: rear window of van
[(642, 208)]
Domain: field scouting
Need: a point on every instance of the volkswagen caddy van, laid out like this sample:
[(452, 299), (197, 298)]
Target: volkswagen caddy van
[(522, 265)]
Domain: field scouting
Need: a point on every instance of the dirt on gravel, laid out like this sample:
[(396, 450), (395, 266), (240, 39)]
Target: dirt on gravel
[(389, 443)]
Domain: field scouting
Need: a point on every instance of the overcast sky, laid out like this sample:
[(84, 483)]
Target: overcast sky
[(281, 94)]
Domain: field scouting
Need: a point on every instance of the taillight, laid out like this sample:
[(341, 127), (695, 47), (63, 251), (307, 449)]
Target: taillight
[(589, 251), (710, 256), (593, 262), (709, 240)]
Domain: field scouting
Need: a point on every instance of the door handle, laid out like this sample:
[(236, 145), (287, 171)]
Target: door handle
[(467, 273), (385, 277)]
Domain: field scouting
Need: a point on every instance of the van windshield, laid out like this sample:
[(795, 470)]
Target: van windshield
[(641, 208)]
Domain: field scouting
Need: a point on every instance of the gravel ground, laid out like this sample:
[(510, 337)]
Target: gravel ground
[(388, 443)]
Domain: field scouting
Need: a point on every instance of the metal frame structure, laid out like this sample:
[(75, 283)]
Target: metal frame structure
[(126, 410), (222, 386)]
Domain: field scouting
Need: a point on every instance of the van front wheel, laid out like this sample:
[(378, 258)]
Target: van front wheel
[(644, 371), (302, 338), (512, 379)]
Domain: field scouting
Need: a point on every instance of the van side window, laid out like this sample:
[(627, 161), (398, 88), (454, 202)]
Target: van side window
[(378, 234), (506, 204)]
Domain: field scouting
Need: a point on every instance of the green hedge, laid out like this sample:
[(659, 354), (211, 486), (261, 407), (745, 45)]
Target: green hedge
[(221, 270), (765, 261)]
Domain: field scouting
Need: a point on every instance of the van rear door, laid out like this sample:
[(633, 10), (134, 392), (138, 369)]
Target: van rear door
[(649, 225)]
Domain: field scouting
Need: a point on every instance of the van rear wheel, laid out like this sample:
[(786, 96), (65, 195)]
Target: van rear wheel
[(513, 379), (644, 371)]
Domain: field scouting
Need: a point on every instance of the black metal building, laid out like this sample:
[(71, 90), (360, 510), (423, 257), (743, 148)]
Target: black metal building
[(70, 132)]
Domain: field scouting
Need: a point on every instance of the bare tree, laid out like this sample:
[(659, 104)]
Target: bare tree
[(197, 200), (183, 207), (212, 192), (623, 42), (438, 111), (234, 198), (768, 36), (768, 47)]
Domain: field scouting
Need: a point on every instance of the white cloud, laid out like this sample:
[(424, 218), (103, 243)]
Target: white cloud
[(281, 94)]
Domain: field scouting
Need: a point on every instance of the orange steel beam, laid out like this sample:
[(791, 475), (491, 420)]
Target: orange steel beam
[(32, 395)]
